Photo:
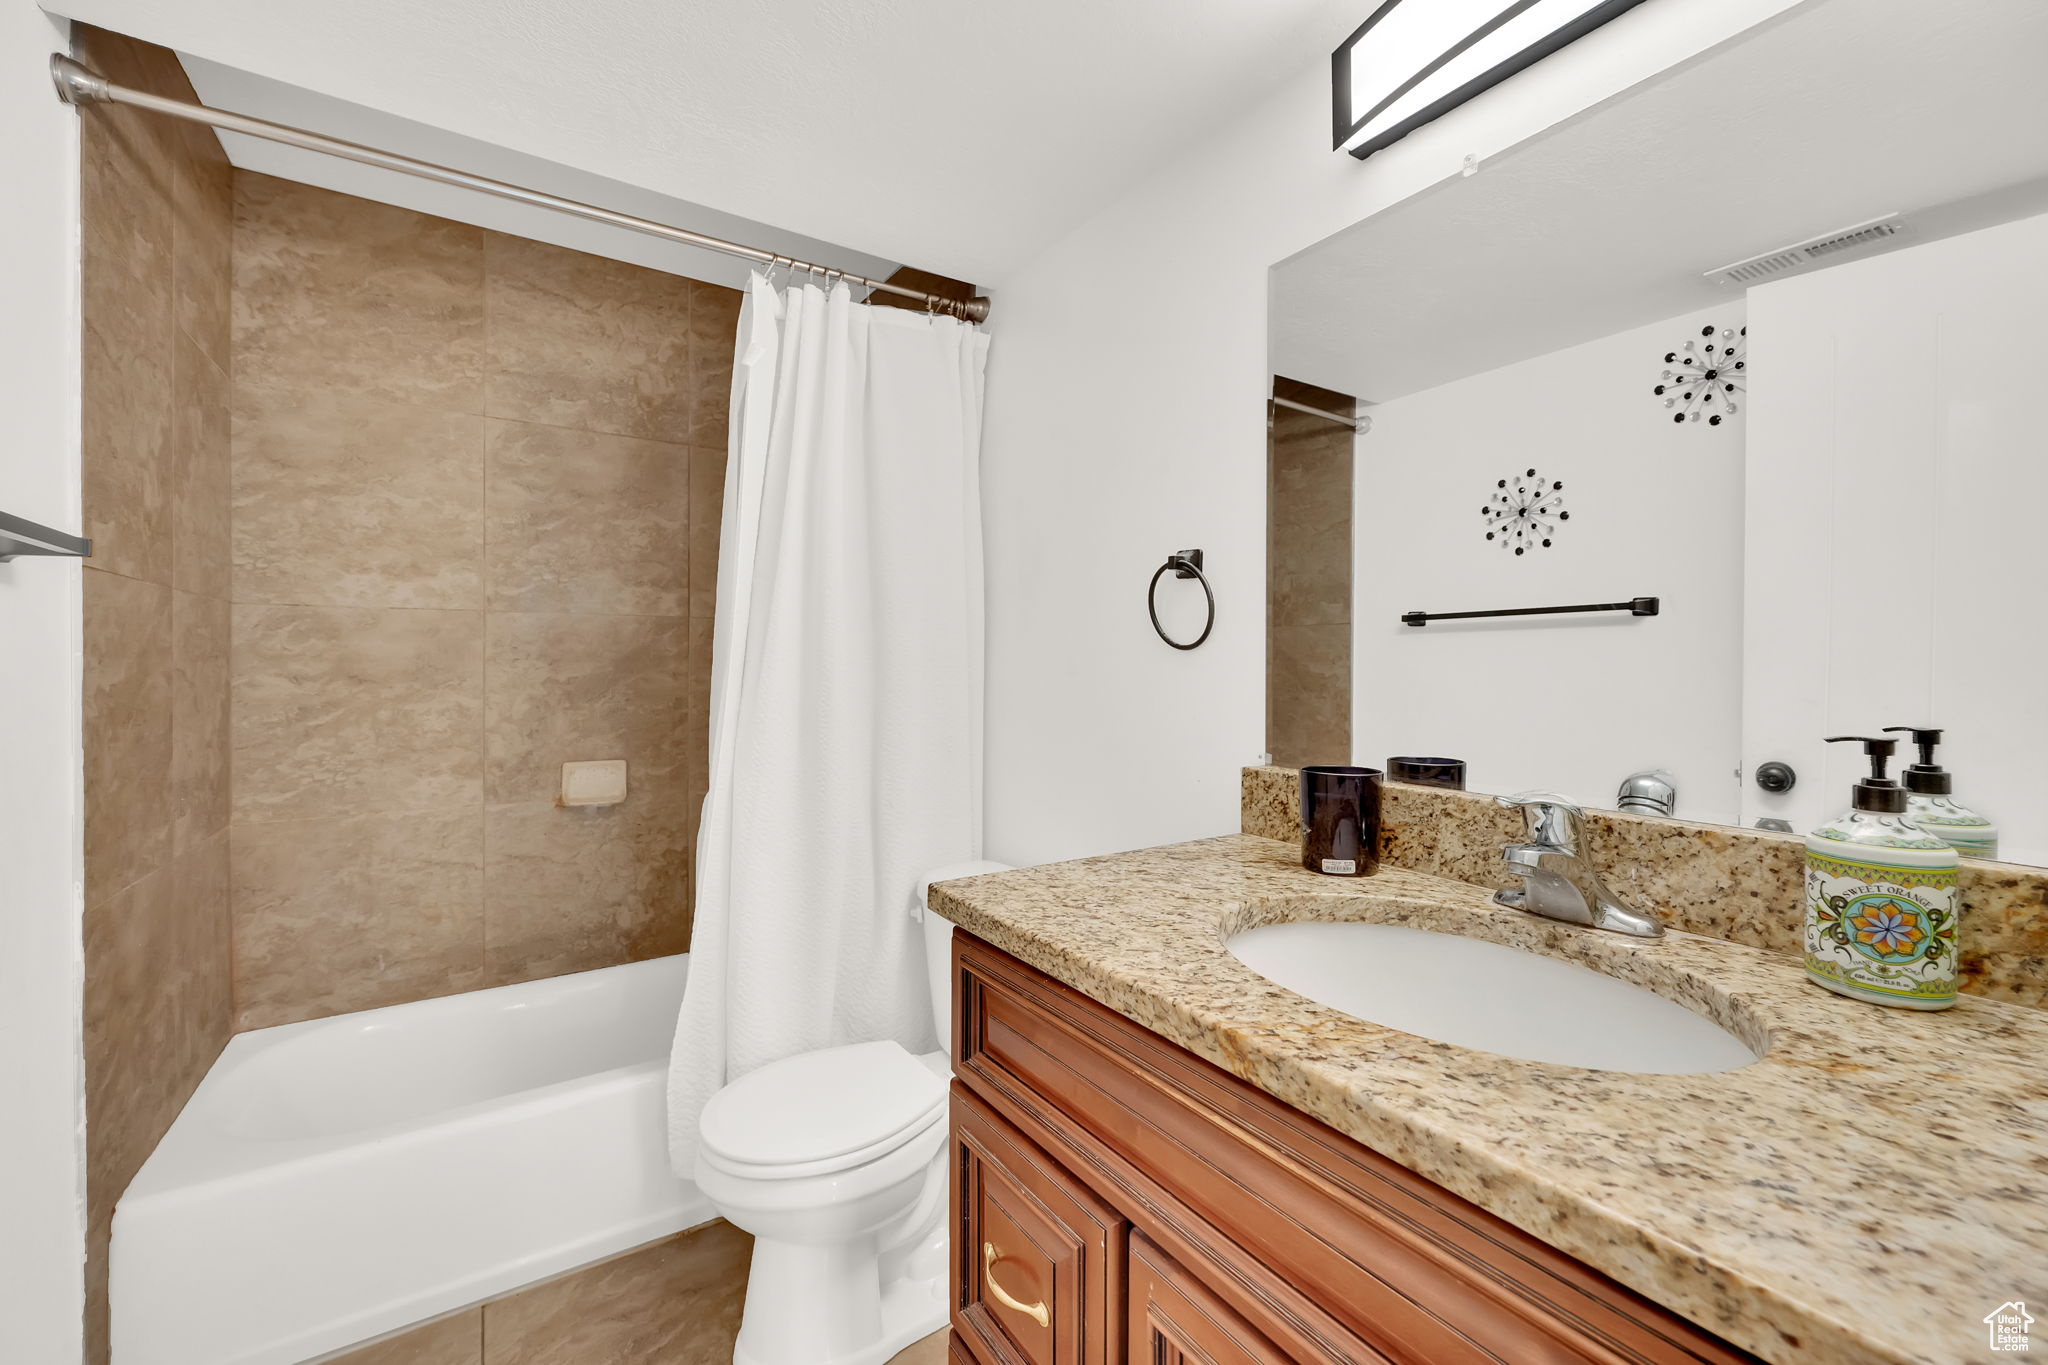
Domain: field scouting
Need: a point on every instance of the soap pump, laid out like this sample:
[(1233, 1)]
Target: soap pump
[(1881, 897), (1930, 806)]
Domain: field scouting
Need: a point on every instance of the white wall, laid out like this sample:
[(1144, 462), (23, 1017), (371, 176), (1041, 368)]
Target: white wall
[(1126, 420), (42, 1238), (1571, 704), (1896, 492)]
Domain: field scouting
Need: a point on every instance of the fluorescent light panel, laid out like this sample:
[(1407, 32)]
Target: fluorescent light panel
[(1384, 86)]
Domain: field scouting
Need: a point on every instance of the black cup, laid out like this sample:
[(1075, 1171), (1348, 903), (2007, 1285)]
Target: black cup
[(1428, 772), (1340, 820)]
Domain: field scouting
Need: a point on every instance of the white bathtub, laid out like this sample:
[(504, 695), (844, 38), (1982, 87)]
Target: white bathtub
[(334, 1180)]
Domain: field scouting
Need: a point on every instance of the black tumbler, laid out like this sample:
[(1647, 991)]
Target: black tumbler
[(1428, 772), (1340, 820)]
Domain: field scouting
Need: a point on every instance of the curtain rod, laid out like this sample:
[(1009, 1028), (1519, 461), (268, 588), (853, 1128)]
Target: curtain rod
[(1360, 424), (80, 85)]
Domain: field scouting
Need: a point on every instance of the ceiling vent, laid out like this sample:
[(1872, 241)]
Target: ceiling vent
[(1822, 250)]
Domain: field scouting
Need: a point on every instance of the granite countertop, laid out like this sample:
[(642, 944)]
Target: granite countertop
[(1866, 1192)]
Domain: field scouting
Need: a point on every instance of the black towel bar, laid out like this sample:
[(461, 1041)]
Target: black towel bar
[(1635, 606)]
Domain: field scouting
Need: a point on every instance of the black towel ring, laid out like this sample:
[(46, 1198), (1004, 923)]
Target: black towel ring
[(1184, 564)]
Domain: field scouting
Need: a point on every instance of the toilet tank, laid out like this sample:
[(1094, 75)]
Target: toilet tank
[(938, 945)]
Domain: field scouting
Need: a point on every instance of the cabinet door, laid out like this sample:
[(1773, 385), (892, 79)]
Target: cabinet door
[(1037, 1258), (1176, 1320)]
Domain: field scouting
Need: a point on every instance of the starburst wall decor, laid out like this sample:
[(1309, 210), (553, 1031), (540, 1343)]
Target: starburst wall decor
[(1703, 381), (1524, 512)]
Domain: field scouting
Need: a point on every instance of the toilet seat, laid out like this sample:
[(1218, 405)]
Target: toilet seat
[(821, 1112)]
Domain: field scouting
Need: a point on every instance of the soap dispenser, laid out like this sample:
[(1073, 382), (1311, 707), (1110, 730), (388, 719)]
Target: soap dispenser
[(1930, 806), (1881, 898)]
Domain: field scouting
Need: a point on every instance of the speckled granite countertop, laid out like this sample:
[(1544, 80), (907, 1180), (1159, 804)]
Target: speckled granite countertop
[(1866, 1192)]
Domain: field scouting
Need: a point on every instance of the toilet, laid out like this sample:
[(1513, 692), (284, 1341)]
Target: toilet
[(835, 1161)]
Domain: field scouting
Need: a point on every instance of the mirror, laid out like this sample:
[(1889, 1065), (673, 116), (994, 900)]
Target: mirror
[(1756, 340)]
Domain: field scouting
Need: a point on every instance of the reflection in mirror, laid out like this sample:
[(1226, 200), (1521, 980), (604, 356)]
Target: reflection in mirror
[(1308, 574), (1756, 340)]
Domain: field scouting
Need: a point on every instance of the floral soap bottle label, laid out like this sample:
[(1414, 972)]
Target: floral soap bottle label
[(1881, 932)]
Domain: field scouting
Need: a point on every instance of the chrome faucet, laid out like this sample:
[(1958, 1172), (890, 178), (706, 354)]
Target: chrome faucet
[(1558, 880)]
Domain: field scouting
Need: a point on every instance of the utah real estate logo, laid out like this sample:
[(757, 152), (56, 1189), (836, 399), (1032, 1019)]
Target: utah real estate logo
[(2008, 1324)]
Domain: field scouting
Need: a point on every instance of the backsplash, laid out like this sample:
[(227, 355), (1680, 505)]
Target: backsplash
[(1741, 885)]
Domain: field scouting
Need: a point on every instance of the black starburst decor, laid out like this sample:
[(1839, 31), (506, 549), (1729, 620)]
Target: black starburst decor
[(1524, 513), (1703, 378)]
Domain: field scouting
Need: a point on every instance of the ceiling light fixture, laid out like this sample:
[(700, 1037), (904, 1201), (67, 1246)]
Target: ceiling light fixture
[(1415, 60)]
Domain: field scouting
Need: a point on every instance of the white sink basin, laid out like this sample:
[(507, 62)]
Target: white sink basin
[(1488, 997)]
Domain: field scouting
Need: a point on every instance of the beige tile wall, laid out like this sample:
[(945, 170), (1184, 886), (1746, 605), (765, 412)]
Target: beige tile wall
[(1308, 580), (476, 485), (155, 214)]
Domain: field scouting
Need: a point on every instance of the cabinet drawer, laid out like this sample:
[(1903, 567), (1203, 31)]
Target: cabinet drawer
[(1037, 1258), (1176, 1320)]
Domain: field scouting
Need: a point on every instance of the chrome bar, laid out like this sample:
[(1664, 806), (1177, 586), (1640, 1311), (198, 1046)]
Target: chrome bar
[(80, 85), (20, 536), (1361, 425)]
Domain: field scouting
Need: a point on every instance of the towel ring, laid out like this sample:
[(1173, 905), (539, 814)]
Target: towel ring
[(1184, 564)]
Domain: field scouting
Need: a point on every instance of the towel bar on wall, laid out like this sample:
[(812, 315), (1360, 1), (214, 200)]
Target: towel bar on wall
[(21, 537), (1636, 606)]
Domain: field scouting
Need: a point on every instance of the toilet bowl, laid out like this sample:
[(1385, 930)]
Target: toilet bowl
[(835, 1161)]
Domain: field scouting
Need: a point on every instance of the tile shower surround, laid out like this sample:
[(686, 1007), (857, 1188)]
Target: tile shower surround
[(156, 211), (1742, 885), (476, 489), (391, 517)]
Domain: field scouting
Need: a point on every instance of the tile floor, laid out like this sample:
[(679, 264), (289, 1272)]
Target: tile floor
[(674, 1302)]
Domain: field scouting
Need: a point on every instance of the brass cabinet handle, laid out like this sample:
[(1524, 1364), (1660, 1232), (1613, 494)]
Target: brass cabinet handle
[(1035, 1311)]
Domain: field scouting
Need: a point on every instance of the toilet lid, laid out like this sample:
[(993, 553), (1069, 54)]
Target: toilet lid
[(817, 1106)]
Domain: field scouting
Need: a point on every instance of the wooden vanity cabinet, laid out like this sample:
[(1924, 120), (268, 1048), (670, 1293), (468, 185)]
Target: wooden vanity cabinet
[(1154, 1210), (1174, 1319), (1037, 1257)]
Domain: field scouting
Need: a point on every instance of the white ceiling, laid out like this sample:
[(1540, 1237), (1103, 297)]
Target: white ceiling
[(226, 87), (1840, 112), (958, 136)]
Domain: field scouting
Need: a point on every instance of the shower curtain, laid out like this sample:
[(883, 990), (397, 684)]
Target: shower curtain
[(846, 691)]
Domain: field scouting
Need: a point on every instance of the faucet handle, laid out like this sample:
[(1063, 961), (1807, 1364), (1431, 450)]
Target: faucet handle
[(1552, 819)]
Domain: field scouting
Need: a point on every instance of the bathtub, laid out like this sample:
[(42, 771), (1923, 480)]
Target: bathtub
[(334, 1180)]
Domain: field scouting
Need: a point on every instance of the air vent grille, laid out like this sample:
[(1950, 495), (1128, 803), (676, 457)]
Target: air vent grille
[(1855, 237), (1810, 252)]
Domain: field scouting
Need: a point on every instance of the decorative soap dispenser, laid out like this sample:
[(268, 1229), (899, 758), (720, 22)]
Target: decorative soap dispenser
[(1881, 898), (1929, 805)]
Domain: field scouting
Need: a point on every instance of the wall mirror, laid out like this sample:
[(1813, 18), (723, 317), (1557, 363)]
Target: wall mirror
[(1760, 340)]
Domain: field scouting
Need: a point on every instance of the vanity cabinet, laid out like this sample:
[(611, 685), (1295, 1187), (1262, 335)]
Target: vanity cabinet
[(1175, 1319), (1118, 1199), (1038, 1257)]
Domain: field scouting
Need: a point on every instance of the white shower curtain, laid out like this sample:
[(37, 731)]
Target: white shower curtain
[(845, 688)]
